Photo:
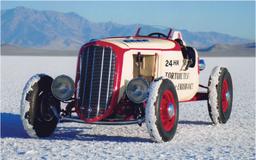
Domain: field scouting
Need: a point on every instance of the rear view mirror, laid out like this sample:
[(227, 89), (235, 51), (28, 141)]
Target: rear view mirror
[(201, 64)]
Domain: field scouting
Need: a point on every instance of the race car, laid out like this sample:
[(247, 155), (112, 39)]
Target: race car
[(127, 80)]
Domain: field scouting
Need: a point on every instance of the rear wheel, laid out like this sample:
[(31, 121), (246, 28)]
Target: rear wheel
[(220, 92), (39, 109), (162, 111)]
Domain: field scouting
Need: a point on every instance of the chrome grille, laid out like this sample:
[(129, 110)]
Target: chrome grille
[(96, 80)]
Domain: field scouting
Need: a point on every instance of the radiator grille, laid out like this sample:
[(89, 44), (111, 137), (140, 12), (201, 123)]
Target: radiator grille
[(96, 80)]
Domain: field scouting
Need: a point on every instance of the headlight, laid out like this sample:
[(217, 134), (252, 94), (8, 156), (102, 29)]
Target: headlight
[(63, 87), (137, 90)]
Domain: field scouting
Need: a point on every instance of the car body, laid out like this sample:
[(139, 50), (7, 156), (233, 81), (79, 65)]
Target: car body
[(127, 80), (162, 58)]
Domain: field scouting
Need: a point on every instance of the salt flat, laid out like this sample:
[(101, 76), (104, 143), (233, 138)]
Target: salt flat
[(196, 138)]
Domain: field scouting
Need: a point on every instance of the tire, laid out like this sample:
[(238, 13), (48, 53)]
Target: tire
[(220, 95), (39, 109), (161, 126)]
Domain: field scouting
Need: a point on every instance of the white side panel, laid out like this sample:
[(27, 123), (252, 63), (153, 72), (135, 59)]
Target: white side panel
[(186, 82), (127, 70), (168, 66)]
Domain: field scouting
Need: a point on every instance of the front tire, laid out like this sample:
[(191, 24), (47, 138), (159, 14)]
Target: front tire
[(220, 95), (162, 111), (39, 109)]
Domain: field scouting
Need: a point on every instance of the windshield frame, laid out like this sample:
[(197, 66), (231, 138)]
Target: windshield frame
[(137, 33)]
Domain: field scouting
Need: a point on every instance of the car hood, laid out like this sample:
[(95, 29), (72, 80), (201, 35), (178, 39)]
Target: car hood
[(141, 43)]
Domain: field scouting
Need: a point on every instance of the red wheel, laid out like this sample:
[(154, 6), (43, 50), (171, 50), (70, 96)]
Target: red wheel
[(225, 94), (167, 110), (220, 92), (162, 111)]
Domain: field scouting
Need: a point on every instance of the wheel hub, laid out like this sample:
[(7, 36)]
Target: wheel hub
[(170, 110), (228, 97)]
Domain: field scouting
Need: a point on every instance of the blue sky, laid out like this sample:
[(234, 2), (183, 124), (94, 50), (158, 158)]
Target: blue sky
[(234, 18)]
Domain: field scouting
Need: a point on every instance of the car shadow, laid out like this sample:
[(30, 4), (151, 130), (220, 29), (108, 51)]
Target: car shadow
[(72, 133), (12, 127), (195, 122)]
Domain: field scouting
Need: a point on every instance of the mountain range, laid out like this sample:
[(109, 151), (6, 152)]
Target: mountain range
[(227, 50), (32, 28)]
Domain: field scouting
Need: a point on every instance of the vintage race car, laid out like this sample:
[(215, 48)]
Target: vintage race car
[(127, 80)]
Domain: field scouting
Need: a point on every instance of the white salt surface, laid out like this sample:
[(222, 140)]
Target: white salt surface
[(195, 138)]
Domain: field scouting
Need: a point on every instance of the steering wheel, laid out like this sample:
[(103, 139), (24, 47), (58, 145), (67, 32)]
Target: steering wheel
[(157, 34)]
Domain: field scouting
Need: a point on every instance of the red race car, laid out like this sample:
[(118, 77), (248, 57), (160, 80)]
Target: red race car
[(127, 80)]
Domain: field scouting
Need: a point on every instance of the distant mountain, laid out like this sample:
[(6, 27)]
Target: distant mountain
[(226, 50), (49, 29)]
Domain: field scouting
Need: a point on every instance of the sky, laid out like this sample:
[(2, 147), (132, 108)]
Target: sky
[(236, 18)]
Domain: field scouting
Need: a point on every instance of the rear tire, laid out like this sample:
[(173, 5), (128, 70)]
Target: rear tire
[(220, 95), (39, 109), (162, 111)]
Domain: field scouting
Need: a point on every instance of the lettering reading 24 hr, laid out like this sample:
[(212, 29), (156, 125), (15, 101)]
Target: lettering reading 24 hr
[(170, 63)]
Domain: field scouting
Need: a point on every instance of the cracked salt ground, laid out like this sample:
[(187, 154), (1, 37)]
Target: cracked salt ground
[(196, 138)]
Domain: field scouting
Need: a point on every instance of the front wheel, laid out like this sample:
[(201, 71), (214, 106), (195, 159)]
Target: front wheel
[(39, 109), (220, 95), (162, 111)]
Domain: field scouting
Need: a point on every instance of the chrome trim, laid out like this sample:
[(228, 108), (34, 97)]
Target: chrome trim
[(90, 107), (76, 119), (128, 122), (87, 56), (101, 70), (109, 71)]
